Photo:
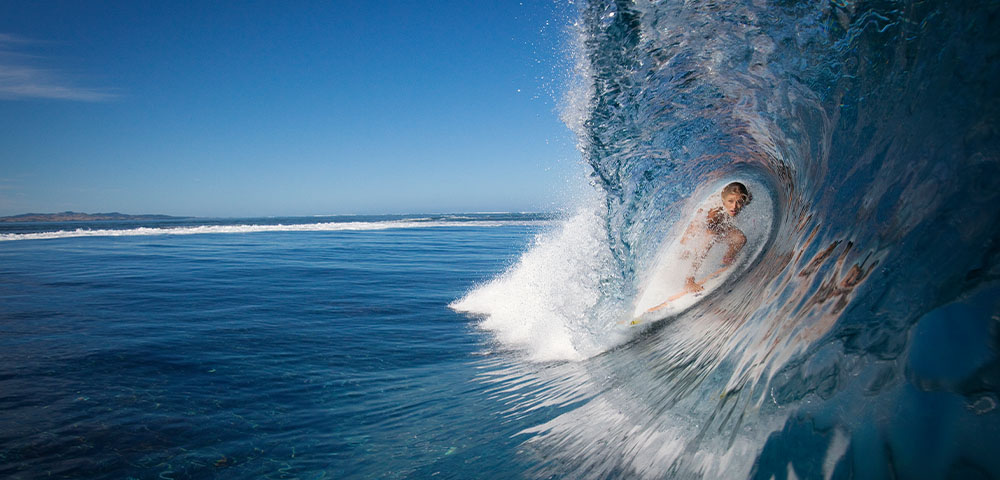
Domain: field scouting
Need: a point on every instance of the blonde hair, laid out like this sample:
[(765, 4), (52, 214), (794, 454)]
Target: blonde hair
[(737, 188)]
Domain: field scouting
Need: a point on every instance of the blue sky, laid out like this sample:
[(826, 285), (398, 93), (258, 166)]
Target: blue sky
[(283, 108)]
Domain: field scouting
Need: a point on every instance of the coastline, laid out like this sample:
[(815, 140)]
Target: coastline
[(69, 216)]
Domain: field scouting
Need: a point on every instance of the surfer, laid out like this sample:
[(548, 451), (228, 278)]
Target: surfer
[(708, 229), (714, 227)]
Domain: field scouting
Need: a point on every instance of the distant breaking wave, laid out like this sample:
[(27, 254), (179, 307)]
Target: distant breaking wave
[(464, 221)]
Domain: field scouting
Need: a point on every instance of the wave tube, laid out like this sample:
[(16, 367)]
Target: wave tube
[(862, 339)]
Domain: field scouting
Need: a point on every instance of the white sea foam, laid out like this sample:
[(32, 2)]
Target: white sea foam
[(545, 303), (558, 301), (253, 228)]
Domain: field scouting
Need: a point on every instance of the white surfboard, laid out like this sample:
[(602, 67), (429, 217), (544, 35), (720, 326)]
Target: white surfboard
[(665, 293)]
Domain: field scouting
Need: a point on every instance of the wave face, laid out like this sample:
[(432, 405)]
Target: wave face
[(862, 341)]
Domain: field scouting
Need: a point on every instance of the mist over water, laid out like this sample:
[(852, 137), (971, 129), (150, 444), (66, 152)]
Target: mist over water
[(862, 340)]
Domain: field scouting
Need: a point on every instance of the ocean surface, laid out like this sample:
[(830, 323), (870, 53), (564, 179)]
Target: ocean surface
[(857, 337), (238, 349)]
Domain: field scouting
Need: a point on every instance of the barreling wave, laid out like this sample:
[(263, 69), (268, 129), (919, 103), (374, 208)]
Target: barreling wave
[(862, 341)]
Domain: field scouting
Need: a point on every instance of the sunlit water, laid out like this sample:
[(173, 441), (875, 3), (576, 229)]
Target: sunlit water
[(858, 339), (255, 354)]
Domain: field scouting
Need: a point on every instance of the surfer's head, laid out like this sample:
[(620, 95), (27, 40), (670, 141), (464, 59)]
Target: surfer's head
[(735, 196)]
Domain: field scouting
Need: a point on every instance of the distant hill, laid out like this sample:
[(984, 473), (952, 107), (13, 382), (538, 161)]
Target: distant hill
[(80, 217)]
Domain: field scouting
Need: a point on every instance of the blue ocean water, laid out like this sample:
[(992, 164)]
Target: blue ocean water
[(254, 354), (858, 339), (863, 340)]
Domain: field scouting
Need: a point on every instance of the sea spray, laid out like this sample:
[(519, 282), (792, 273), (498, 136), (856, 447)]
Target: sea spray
[(873, 127), (546, 303)]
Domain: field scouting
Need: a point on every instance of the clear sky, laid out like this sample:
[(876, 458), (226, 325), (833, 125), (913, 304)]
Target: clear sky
[(283, 108)]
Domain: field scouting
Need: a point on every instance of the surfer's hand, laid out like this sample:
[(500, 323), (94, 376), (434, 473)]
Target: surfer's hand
[(715, 215), (692, 286)]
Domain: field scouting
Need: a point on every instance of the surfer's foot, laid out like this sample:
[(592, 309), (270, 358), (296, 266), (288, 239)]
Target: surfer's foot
[(692, 286)]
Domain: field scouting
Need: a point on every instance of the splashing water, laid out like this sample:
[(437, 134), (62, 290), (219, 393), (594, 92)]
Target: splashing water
[(862, 340)]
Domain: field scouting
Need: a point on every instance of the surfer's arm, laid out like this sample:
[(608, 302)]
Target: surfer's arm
[(698, 239), (735, 239), (695, 229), (697, 253)]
